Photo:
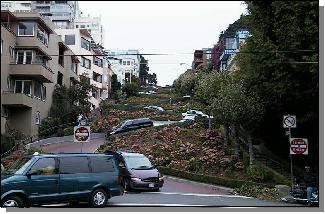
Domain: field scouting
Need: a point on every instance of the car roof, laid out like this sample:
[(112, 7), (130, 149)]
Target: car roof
[(130, 154), (67, 154)]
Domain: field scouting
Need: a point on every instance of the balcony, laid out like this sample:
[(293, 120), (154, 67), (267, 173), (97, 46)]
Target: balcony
[(11, 99), (31, 42), (36, 71)]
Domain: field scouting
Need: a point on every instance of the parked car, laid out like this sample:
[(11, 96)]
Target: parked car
[(187, 118), (156, 108), (129, 125), (197, 113), (138, 173), (57, 178)]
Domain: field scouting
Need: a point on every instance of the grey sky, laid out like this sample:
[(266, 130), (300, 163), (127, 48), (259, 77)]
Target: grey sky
[(171, 27)]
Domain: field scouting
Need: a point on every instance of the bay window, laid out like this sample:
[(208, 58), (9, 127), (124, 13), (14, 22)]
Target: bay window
[(42, 35), (23, 86), (85, 62), (85, 44), (26, 29), (24, 56)]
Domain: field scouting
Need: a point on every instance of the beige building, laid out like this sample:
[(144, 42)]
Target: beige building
[(32, 63), (92, 62)]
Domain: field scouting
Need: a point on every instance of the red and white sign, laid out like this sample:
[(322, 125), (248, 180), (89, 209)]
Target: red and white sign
[(298, 146), (289, 121), (81, 134)]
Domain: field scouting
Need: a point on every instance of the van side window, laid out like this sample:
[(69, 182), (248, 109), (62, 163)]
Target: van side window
[(44, 166), (70, 165), (102, 164)]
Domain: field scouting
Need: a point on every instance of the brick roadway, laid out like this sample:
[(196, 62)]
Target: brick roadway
[(69, 146), (172, 184)]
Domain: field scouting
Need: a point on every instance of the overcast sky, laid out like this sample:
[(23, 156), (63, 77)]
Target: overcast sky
[(175, 28)]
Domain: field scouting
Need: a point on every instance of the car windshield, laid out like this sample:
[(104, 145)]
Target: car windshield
[(19, 166), (121, 124), (138, 162)]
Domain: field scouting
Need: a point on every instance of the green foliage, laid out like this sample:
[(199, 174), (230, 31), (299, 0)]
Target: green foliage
[(261, 173), (7, 142), (280, 32), (116, 86), (186, 82), (258, 191), (232, 183), (68, 130), (49, 126), (131, 89)]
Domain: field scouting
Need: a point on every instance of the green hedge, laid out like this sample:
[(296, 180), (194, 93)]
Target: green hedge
[(7, 142), (232, 183)]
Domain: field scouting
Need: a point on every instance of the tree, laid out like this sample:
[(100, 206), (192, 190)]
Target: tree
[(285, 35), (152, 79), (143, 70), (131, 89)]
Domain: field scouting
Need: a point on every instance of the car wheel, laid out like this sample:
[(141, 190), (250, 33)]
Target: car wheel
[(13, 201), (98, 198)]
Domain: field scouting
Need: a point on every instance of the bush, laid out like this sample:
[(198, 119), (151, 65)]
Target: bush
[(7, 142), (68, 131), (261, 173), (258, 191), (232, 183), (48, 127)]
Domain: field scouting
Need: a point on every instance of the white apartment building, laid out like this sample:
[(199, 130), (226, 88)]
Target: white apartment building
[(16, 5), (91, 60), (93, 25), (129, 63)]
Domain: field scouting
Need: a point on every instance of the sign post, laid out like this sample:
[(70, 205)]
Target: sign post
[(81, 134), (289, 121)]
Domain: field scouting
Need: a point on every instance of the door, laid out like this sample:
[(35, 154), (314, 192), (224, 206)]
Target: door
[(43, 181)]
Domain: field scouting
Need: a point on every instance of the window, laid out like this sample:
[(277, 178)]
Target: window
[(43, 36), (102, 164), (26, 29), (43, 93), (69, 165), (11, 52), (40, 60), (77, 26), (98, 61), (85, 62), (82, 26), (37, 118), (74, 67), (38, 90), (128, 62), (23, 86), (61, 56), (85, 44), (60, 78), (44, 166), (69, 39), (24, 57), (124, 63)]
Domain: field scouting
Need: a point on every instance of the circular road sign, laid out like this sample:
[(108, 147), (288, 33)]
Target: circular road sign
[(82, 134), (298, 146), (289, 121)]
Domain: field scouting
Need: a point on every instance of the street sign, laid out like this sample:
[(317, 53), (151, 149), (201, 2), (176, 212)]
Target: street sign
[(289, 121), (81, 134), (298, 146)]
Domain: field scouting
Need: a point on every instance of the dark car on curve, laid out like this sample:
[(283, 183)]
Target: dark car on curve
[(129, 125), (137, 172), (56, 178)]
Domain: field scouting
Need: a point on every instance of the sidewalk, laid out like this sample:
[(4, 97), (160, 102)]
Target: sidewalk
[(53, 140)]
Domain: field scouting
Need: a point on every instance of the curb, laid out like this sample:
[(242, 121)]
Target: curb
[(200, 183)]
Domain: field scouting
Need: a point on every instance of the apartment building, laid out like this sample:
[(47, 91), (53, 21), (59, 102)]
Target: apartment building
[(61, 13), (91, 61), (16, 5), (93, 25), (126, 62), (32, 63)]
